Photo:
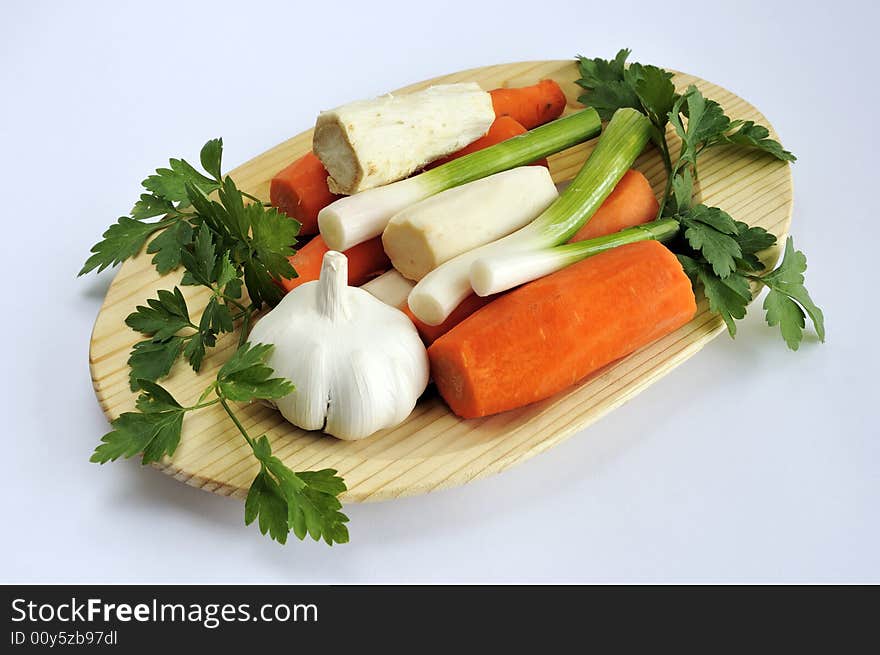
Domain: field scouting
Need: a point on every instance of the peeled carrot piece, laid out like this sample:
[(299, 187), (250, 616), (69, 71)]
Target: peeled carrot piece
[(502, 128), (365, 260), (547, 335), (301, 191), (532, 105), (430, 333), (631, 203)]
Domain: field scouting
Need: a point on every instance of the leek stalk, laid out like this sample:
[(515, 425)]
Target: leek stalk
[(500, 272)]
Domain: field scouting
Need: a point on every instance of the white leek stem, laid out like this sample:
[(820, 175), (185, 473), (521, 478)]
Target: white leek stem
[(442, 290), (499, 272), (494, 274), (351, 220)]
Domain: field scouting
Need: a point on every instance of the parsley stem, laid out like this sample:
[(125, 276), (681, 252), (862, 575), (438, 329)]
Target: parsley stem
[(232, 301), (201, 405), (245, 326), (235, 420), (254, 198), (667, 164)]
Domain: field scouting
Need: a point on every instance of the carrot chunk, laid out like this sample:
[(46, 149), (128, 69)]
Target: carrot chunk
[(301, 191), (502, 128), (631, 203), (530, 106), (430, 333), (547, 335), (365, 260)]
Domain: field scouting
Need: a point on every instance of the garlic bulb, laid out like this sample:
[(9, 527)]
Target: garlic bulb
[(358, 365)]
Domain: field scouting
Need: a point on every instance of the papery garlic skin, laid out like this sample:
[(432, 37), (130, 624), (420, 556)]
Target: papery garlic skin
[(358, 365)]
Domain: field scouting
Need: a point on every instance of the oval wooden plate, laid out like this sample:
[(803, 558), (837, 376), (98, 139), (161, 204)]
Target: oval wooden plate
[(433, 449)]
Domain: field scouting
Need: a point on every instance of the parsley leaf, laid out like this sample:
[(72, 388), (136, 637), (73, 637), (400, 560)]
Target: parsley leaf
[(752, 240), (199, 262), (305, 503), (755, 136), (708, 126), (122, 240), (706, 120), (196, 346), (170, 183), (266, 502), (150, 205), (728, 297), (708, 230), (682, 197), (216, 318), (788, 299), (595, 72), (155, 431), (610, 85), (316, 509), (163, 317), (656, 93), (169, 245), (151, 360), (211, 157), (246, 376), (609, 97), (225, 274), (274, 235)]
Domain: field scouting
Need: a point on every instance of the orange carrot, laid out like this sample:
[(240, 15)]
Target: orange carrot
[(365, 260), (430, 333), (502, 128), (532, 105), (300, 191), (631, 203), (547, 335)]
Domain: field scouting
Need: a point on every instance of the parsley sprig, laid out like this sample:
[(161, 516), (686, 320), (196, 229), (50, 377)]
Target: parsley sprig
[(204, 223), (281, 501), (716, 251), (223, 244)]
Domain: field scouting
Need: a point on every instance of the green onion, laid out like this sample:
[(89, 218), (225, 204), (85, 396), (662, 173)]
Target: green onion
[(354, 219), (441, 291), (500, 272)]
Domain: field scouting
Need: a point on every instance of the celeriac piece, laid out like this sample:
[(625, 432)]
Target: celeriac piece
[(433, 231), (368, 143)]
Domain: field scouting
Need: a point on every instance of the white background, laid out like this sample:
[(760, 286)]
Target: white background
[(748, 463)]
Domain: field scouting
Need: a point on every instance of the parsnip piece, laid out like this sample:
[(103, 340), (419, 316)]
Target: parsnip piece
[(367, 143), (424, 235), (390, 287)]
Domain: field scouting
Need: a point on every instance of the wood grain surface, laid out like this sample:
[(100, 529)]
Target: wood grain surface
[(433, 449)]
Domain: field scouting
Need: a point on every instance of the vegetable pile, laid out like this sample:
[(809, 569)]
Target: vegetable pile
[(474, 270)]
